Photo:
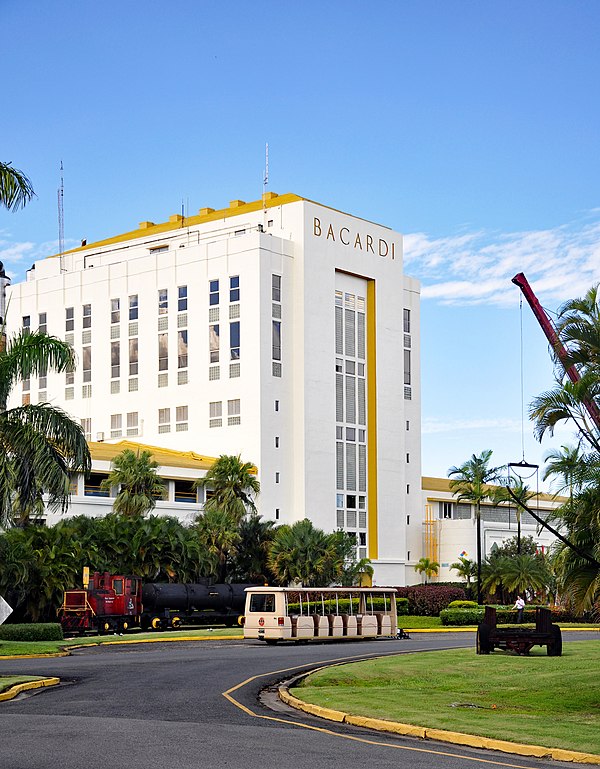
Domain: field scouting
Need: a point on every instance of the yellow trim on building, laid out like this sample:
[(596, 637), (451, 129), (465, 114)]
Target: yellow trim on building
[(443, 484), (164, 457), (372, 420)]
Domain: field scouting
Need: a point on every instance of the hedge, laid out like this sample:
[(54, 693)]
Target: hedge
[(40, 631), (429, 600), (462, 605)]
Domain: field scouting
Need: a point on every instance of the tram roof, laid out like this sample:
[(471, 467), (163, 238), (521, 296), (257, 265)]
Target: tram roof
[(331, 590)]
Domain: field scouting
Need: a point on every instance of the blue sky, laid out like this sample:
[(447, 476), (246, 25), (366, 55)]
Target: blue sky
[(470, 126)]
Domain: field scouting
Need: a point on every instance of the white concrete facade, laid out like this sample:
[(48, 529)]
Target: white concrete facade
[(326, 404)]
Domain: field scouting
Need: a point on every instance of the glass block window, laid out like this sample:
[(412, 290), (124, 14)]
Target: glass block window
[(234, 288), (213, 315), (69, 393), (276, 369), (182, 377), (163, 323), (70, 339), (69, 318), (133, 328), (234, 311), (276, 288), (163, 380), (182, 320), (234, 370), (182, 298), (407, 394), (163, 301), (133, 308), (115, 387), (87, 316), (213, 292), (214, 372), (86, 336), (133, 385), (115, 332), (115, 310)]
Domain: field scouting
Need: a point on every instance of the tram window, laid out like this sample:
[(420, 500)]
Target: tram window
[(118, 586), (262, 602)]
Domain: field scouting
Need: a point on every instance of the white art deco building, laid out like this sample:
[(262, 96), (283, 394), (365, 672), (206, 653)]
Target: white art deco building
[(282, 330)]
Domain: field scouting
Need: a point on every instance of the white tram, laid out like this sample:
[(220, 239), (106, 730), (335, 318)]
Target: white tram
[(275, 614)]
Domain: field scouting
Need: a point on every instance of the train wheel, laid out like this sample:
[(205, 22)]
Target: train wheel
[(241, 620), (175, 622), (156, 623)]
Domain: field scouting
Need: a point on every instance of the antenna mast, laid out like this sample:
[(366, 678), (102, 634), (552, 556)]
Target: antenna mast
[(266, 178), (61, 217)]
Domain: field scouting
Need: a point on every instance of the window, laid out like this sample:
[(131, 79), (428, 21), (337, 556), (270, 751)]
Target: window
[(406, 367), (86, 425), (87, 364), (446, 510), (276, 340), (26, 323), (87, 316), (182, 349), (69, 318), (116, 425), (163, 352), (276, 477), (276, 288), (92, 486), (362, 538), (234, 340), (133, 356), (408, 520), (233, 412), (158, 249), (276, 405), (351, 434), (132, 423), (406, 321), (408, 556), (184, 491), (70, 376), (115, 310), (115, 359), (216, 409), (181, 298), (234, 288), (181, 418), (276, 513), (27, 384), (262, 602), (407, 425), (213, 292), (43, 378), (43, 323), (133, 307), (213, 343), (163, 301), (408, 488), (276, 441), (164, 420)]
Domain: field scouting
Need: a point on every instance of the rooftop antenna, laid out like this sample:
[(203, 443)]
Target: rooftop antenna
[(266, 178), (61, 218)]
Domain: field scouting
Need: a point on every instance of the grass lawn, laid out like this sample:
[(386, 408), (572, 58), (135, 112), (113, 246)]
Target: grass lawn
[(549, 701), (12, 648), (7, 681)]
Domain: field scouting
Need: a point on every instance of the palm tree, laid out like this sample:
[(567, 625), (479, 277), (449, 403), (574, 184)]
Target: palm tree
[(428, 567), (470, 482), (465, 568), (40, 443), (256, 536), (218, 536), (15, 188), (134, 474), (525, 573), (520, 493), (231, 486), (565, 464), (301, 554)]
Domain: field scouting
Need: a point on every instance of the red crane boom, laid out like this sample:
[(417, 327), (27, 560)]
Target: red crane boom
[(551, 334)]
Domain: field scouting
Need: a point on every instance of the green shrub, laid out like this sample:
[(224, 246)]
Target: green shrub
[(461, 617), (402, 606), (462, 605), (41, 631), (343, 606)]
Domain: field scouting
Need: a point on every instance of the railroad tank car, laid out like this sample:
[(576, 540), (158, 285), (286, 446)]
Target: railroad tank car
[(171, 605), (114, 603)]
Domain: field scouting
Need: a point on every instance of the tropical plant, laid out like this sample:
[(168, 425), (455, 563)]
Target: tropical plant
[(218, 536), (256, 536), (519, 493), (428, 567), (465, 568), (231, 486), (471, 483), (15, 188), (40, 443), (134, 474), (526, 574)]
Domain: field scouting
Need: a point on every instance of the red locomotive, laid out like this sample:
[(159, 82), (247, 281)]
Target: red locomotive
[(110, 603), (113, 603)]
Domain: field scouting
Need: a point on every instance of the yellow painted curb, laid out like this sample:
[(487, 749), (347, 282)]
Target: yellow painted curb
[(33, 656), (18, 688), (442, 735)]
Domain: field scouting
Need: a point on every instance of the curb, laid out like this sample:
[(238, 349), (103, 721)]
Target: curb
[(9, 694), (456, 738)]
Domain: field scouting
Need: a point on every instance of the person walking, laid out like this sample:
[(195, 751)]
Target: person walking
[(519, 606)]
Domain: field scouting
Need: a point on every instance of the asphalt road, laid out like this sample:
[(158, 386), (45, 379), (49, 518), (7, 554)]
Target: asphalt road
[(162, 706)]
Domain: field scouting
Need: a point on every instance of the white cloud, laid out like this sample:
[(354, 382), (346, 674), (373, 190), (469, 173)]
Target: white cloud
[(432, 426), (477, 267), (18, 256)]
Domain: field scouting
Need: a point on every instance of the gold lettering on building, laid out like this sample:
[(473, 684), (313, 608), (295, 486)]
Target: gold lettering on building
[(344, 235)]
